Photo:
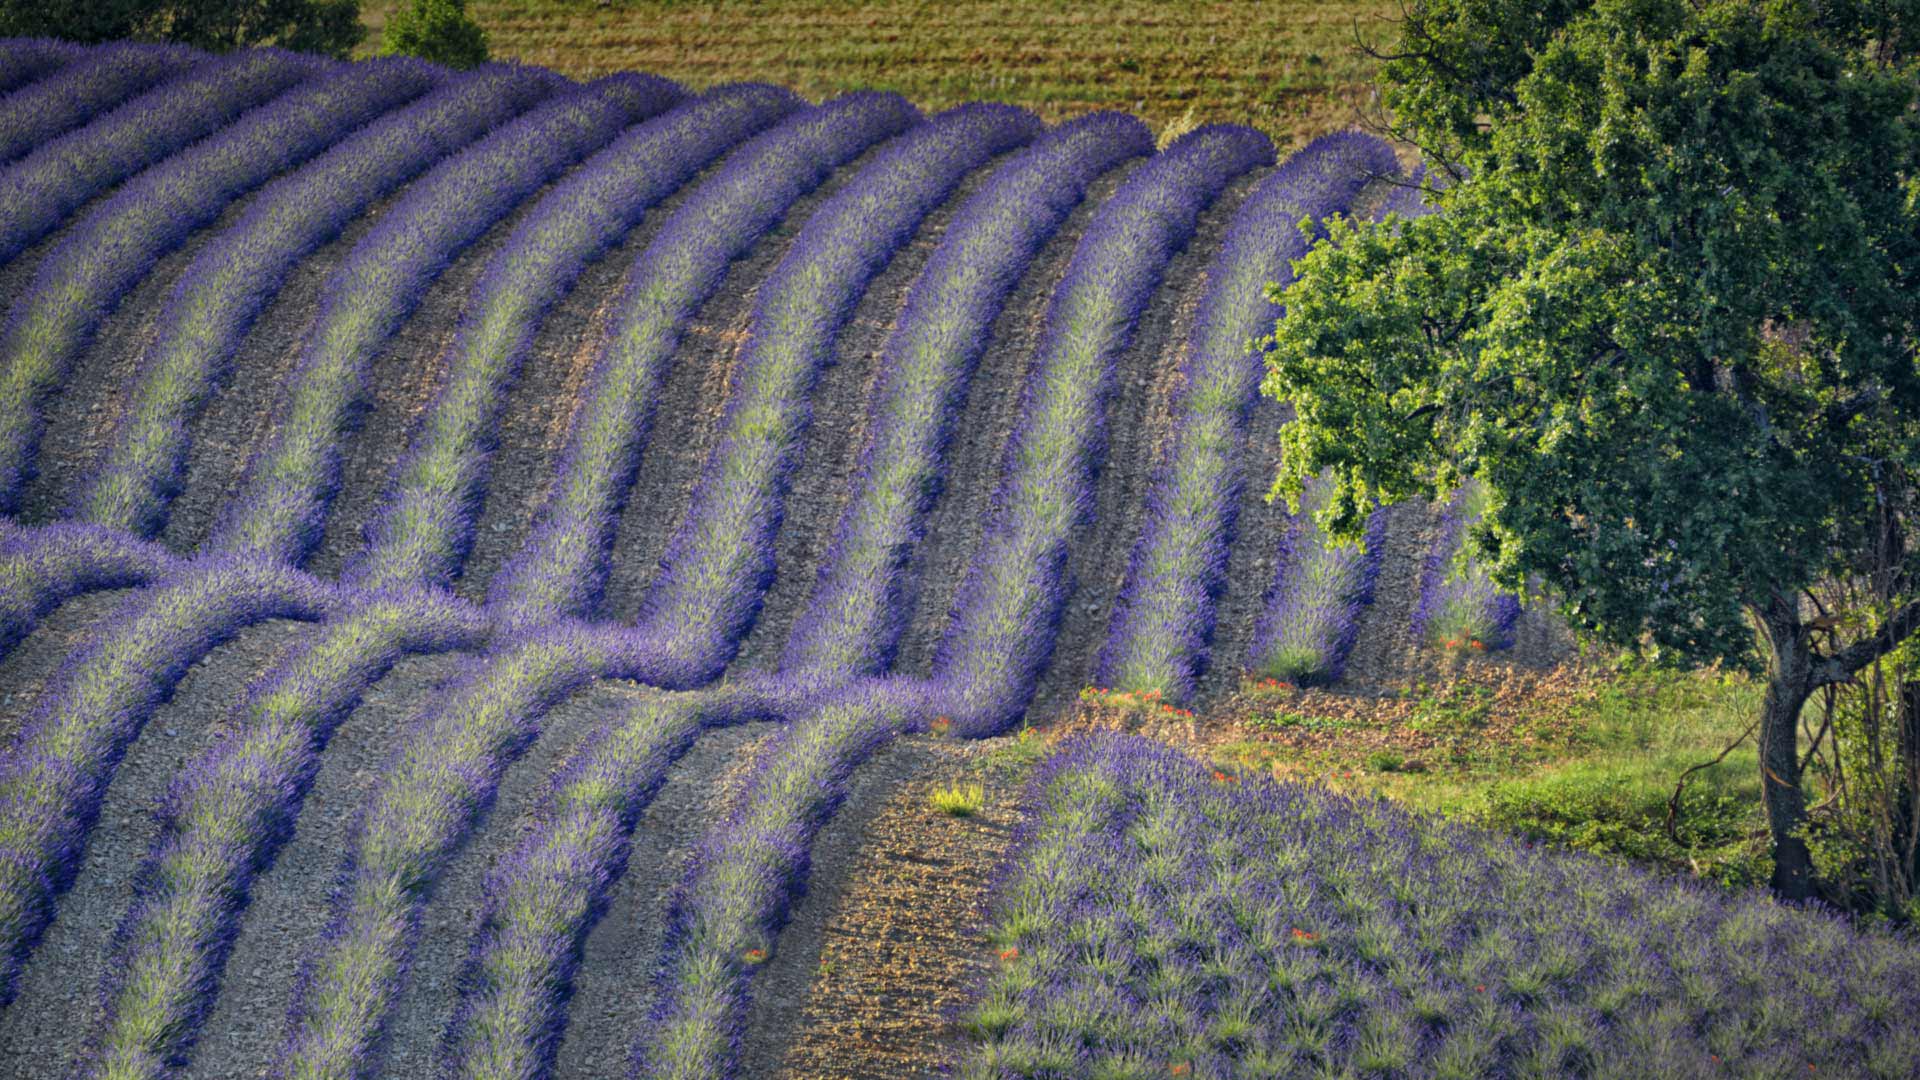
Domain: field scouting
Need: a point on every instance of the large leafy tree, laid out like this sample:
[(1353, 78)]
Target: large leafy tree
[(1667, 316), (322, 26)]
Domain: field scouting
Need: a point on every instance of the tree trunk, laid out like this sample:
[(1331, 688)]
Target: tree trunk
[(1789, 682)]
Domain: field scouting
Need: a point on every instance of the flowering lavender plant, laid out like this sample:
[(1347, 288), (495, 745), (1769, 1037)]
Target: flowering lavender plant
[(1312, 612), (1460, 607)]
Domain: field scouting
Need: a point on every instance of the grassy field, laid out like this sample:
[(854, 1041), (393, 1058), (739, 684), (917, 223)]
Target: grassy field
[(1291, 68)]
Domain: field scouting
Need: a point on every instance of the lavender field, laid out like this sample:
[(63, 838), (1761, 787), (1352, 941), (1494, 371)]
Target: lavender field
[(480, 551)]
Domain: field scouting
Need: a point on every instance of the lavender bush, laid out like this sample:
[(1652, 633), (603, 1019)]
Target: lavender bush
[(227, 284), (1460, 607), (426, 521), (98, 79), (720, 561), (1158, 918), (280, 510), (41, 568), (22, 60), (1009, 609), (104, 255), (1311, 615), (562, 569), (1163, 619), (59, 764), (42, 188)]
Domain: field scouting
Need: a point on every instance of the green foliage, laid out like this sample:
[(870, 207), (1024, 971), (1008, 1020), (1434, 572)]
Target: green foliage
[(436, 30), (320, 26), (1668, 315), (959, 800)]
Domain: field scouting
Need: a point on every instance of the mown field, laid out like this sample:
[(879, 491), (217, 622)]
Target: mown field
[(503, 576), (1291, 69)]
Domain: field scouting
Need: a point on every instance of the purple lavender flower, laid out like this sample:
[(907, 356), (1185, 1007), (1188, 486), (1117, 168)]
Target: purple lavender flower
[(98, 79)]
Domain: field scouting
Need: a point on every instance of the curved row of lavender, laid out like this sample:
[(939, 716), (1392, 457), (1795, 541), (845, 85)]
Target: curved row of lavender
[(43, 188), (457, 749), (1008, 611), (225, 287), (102, 257), (1158, 918), (97, 81), (547, 894), (425, 526), (1163, 618), (561, 570), (1460, 607), (290, 481), (22, 60)]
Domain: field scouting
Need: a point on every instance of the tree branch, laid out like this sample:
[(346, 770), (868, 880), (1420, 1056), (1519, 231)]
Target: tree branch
[(1840, 667)]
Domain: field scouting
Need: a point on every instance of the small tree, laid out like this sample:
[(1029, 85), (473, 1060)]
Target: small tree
[(1668, 316), (320, 26), (436, 30)]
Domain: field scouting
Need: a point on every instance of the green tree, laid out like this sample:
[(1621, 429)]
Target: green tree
[(437, 30), (320, 26), (1668, 316)]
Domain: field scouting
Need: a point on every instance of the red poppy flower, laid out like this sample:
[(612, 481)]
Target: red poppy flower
[(1009, 954)]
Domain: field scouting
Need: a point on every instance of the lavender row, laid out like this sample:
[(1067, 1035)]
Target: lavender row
[(425, 524), (23, 60), (112, 248), (451, 762), (41, 568), (1159, 919), (1311, 615), (228, 815), (98, 80), (226, 286), (1163, 620), (1009, 609), (1460, 607), (720, 561), (280, 510), (854, 619), (52, 181), (561, 571), (58, 766), (547, 896), (725, 915)]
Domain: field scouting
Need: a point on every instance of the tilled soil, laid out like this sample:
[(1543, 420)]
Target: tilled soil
[(842, 413), (974, 457), (890, 942), (1139, 421)]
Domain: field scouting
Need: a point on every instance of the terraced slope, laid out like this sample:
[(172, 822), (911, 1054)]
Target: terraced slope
[(470, 533)]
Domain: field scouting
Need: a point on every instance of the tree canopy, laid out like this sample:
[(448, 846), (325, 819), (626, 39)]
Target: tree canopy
[(321, 26), (1667, 315)]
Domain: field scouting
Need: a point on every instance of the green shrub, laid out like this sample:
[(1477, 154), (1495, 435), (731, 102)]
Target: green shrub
[(960, 800), (436, 30)]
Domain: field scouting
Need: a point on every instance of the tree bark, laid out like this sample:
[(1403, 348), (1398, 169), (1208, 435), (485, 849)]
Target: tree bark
[(1790, 661)]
